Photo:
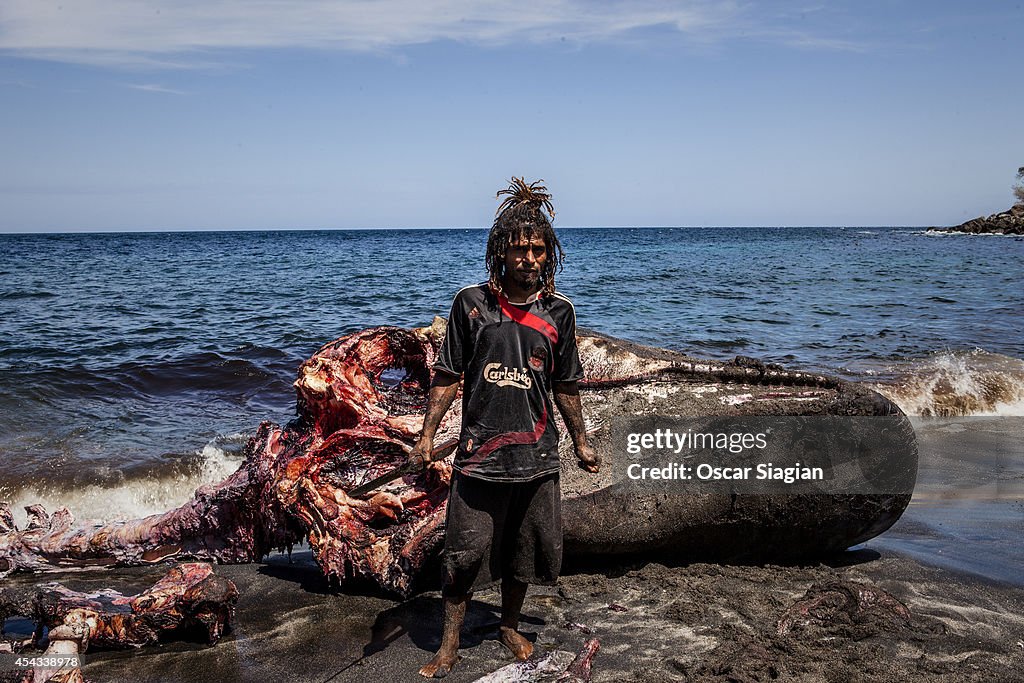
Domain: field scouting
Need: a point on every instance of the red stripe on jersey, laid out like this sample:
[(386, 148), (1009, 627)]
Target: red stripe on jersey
[(508, 439), (529, 319)]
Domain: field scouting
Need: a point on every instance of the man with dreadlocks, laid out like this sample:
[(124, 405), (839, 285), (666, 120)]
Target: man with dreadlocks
[(512, 338)]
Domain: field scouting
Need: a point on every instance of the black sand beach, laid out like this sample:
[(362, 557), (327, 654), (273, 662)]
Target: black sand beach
[(656, 623)]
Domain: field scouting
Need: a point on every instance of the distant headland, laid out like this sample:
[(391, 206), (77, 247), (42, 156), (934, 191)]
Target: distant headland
[(1010, 222)]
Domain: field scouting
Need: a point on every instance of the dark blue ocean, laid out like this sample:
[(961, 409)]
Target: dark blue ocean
[(134, 365)]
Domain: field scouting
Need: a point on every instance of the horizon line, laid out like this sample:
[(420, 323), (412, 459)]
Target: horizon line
[(164, 231)]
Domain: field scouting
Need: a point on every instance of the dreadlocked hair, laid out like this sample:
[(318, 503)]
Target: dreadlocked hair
[(521, 216)]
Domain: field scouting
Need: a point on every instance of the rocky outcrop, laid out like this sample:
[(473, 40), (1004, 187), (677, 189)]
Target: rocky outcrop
[(1009, 222)]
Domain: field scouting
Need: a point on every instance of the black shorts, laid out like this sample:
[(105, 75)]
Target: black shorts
[(498, 530)]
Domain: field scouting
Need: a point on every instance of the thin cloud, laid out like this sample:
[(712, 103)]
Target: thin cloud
[(189, 33), (153, 87), (804, 41), (18, 83)]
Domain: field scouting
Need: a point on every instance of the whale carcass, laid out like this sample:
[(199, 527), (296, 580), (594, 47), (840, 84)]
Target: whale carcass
[(360, 401)]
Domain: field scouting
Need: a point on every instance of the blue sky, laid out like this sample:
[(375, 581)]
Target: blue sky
[(151, 115)]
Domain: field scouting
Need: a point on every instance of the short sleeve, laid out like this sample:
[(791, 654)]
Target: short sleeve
[(450, 356), (567, 356)]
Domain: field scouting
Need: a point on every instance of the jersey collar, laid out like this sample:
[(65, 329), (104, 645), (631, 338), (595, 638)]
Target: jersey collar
[(529, 300)]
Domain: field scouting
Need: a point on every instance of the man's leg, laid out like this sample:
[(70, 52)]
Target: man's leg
[(469, 528), (513, 593), (454, 608), (533, 551)]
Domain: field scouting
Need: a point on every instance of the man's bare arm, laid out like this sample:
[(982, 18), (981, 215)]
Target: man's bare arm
[(443, 391), (567, 398)]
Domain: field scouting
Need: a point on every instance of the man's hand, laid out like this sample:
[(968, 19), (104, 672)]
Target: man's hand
[(419, 456), (567, 398), (442, 392), (589, 459)]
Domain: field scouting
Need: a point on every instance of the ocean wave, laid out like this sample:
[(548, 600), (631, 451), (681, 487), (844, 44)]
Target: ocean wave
[(957, 383), (133, 498), (738, 342), (195, 372), (961, 233), (33, 294)]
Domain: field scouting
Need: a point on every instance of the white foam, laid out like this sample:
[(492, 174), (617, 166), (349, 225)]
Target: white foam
[(1014, 409), (136, 498), (953, 383), (961, 233)]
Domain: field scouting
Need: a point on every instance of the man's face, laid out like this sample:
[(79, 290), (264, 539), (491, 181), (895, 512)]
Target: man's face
[(524, 262)]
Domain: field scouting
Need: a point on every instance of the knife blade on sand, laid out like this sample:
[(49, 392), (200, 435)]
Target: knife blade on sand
[(439, 453)]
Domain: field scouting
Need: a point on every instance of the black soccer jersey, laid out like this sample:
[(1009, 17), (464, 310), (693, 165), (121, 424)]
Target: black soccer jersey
[(509, 354)]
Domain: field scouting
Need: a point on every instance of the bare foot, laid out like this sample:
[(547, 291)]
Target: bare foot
[(441, 665), (519, 646)]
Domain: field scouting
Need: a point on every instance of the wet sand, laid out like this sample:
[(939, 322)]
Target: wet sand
[(967, 513), (699, 622)]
